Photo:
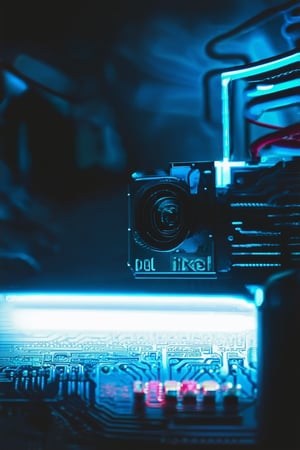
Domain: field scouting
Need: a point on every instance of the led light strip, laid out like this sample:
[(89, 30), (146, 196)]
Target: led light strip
[(124, 301), (130, 312), (27, 319)]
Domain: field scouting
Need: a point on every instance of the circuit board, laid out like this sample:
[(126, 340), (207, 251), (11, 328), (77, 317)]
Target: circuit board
[(155, 387)]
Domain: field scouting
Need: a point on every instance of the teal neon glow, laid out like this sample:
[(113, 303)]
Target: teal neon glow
[(263, 69), (223, 171), (264, 89)]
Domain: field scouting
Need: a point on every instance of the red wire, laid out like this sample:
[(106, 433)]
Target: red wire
[(266, 125), (288, 137)]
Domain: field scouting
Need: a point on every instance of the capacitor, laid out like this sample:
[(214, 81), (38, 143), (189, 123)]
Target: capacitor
[(278, 346), (139, 395), (171, 391), (209, 389), (231, 393)]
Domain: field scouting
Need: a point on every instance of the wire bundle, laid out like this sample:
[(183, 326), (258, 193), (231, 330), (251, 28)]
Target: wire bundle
[(287, 137)]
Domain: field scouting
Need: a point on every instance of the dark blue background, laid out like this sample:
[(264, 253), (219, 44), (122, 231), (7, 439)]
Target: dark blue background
[(147, 62)]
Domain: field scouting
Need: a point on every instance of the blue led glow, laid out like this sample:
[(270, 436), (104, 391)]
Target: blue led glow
[(259, 297), (14, 85)]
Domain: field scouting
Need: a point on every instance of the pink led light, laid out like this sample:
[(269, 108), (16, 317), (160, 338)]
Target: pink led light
[(154, 394)]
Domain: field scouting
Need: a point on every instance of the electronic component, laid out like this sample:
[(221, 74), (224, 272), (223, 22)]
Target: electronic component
[(159, 379), (236, 219)]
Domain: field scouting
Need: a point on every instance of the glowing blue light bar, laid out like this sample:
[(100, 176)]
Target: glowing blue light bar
[(117, 300), (144, 321), (130, 312)]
